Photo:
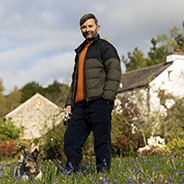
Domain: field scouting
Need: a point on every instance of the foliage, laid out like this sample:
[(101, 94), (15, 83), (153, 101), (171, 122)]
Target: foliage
[(13, 99), (10, 146), (53, 143), (8, 130), (171, 124), (152, 169), (129, 131), (175, 120), (136, 60), (162, 45), (125, 146), (29, 90), (7, 149), (8, 103), (57, 93), (176, 146), (1, 86), (2, 99), (13, 148), (126, 141)]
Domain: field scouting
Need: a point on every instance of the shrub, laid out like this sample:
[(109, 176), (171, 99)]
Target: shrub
[(7, 149), (176, 146), (53, 143), (8, 130), (127, 143)]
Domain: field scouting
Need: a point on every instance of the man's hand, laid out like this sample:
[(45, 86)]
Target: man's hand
[(68, 109)]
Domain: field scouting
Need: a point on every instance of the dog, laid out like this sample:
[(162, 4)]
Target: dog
[(29, 166)]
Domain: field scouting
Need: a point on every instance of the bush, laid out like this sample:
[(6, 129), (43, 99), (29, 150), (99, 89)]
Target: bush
[(127, 142), (53, 143), (7, 149), (8, 130), (176, 146), (14, 148), (132, 130)]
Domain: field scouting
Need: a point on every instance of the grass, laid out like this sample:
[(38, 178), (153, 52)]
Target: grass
[(129, 170)]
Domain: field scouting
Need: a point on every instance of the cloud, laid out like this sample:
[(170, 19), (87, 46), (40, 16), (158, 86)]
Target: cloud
[(45, 71), (37, 38)]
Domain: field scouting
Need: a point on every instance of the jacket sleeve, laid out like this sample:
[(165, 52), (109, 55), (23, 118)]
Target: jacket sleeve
[(69, 97), (113, 72), (69, 100)]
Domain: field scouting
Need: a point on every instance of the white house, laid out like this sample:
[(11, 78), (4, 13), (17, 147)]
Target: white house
[(35, 116), (142, 85)]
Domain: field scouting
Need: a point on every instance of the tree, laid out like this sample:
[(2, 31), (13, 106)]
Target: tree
[(180, 40), (1, 87), (9, 102), (162, 45), (29, 90), (13, 100), (57, 92), (2, 99), (136, 60)]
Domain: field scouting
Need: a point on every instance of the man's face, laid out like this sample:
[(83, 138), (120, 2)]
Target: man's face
[(90, 29)]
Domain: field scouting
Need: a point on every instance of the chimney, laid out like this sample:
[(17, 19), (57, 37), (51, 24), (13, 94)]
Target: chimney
[(175, 56)]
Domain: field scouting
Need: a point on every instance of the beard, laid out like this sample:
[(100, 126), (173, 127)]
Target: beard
[(90, 36)]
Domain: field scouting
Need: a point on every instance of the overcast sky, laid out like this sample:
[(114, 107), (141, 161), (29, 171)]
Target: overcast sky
[(38, 37)]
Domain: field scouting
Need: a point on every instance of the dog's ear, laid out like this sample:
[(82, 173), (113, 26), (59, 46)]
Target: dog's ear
[(35, 153)]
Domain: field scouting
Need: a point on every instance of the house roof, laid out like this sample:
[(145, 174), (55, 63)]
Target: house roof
[(37, 100), (141, 77)]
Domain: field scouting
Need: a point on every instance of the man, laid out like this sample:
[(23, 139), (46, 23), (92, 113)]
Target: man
[(95, 81)]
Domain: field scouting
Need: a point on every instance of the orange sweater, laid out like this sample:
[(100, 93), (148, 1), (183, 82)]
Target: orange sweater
[(80, 94)]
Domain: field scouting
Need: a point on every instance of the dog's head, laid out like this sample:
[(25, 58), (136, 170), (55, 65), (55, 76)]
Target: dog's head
[(29, 166), (30, 160)]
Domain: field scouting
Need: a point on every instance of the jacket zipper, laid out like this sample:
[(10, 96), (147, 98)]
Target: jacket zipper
[(75, 84), (85, 77)]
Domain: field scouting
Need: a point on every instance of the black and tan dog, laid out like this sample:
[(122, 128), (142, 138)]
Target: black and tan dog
[(29, 166)]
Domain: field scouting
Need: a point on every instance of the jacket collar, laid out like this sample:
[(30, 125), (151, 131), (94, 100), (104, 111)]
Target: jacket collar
[(81, 46)]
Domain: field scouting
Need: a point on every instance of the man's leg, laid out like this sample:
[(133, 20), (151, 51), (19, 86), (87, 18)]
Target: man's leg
[(74, 138), (101, 121)]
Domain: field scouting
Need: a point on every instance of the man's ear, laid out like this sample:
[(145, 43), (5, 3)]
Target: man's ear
[(98, 28)]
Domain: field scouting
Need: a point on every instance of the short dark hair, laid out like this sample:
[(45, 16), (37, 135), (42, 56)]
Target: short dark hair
[(86, 17)]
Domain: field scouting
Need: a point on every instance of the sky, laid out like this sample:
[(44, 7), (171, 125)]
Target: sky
[(38, 37)]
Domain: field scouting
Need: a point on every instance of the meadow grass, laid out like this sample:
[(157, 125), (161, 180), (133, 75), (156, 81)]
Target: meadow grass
[(126, 170)]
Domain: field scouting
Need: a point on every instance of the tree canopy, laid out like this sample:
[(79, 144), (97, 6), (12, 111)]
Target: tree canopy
[(55, 92), (162, 45)]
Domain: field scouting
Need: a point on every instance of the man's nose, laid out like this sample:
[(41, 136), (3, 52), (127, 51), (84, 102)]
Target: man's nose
[(87, 29)]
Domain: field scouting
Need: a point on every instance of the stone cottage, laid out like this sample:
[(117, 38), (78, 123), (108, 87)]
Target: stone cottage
[(35, 116)]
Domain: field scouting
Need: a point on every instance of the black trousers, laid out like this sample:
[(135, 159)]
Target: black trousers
[(94, 116)]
